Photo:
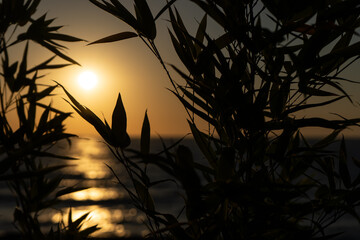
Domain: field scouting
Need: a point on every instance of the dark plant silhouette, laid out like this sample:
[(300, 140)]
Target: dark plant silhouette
[(25, 147), (262, 178)]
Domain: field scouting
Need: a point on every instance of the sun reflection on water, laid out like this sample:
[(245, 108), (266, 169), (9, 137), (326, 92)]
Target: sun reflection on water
[(94, 194), (105, 202), (108, 220)]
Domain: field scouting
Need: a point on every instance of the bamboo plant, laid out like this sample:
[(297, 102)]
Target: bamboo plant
[(25, 144), (262, 178)]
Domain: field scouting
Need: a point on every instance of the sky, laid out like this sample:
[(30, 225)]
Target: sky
[(129, 68)]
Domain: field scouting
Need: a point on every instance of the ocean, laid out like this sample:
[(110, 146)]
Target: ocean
[(109, 206)]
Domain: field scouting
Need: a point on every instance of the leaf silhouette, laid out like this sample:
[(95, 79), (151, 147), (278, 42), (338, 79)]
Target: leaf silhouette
[(343, 168), (90, 117), (118, 10), (145, 136), (115, 37), (145, 19), (119, 122), (41, 33)]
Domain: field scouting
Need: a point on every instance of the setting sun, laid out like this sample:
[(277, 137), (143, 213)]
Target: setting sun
[(87, 80)]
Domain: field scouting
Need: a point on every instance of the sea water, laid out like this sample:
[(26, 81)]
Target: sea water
[(108, 204)]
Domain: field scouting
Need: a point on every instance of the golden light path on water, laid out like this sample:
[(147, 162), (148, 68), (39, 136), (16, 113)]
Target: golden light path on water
[(94, 194), (102, 217), (91, 166)]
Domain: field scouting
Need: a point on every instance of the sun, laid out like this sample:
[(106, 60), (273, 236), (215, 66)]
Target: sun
[(87, 80)]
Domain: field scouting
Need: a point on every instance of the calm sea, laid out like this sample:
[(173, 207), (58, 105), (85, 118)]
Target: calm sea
[(109, 206)]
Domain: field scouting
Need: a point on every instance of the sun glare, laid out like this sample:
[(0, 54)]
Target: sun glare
[(87, 80)]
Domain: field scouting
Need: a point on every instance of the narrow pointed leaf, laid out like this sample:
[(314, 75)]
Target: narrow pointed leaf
[(70, 217), (44, 118), (145, 19), (204, 145), (145, 136), (89, 230), (204, 106), (144, 196), (317, 92), (78, 221), (64, 37), (60, 54), (52, 155), (313, 105), (122, 13), (115, 37), (343, 168), (89, 116), (119, 122), (167, 6), (200, 33), (196, 111)]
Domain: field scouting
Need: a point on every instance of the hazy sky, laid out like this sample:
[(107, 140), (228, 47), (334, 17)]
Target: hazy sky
[(129, 67)]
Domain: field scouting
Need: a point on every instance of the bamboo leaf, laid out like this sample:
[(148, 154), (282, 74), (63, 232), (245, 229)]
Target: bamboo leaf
[(90, 117), (58, 53), (326, 141), (89, 230), (212, 11), (44, 93), (329, 82), (117, 10), (204, 145), (196, 111), (70, 217), (165, 164), (63, 37), (145, 136), (167, 6), (343, 168), (119, 122), (43, 118), (122, 13), (23, 65), (44, 65), (32, 107), (28, 174), (115, 37), (52, 155), (200, 33), (144, 196), (313, 105), (77, 223), (54, 110), (224, 40), (198, 101), (21, 112), (317, 92), (145, 18), (346, 53), (182, 35), (182, 54)]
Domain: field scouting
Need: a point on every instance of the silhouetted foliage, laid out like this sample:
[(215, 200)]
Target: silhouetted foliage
[(262, 178), (25, 145)]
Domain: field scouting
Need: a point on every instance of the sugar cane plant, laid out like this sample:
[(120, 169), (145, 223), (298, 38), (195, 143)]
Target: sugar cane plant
[(25, 143), (262, 178)]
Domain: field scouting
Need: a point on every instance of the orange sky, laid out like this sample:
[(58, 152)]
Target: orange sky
[(127, 67), (130, 68)]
